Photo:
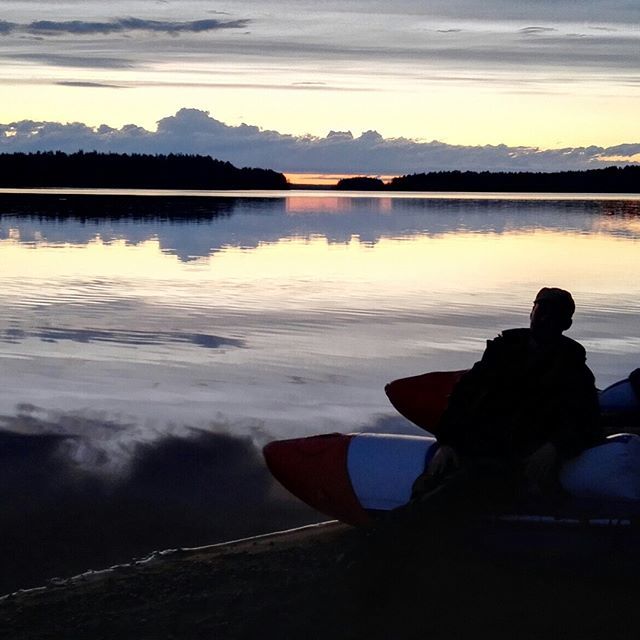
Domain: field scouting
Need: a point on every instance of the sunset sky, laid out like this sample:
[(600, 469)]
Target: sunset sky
[(350, 86)]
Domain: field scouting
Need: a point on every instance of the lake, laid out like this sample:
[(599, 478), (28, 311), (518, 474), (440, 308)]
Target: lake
[(247, 318)]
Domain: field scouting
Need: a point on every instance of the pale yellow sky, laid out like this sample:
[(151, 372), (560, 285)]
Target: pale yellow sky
[(461, 113), (548, 75)]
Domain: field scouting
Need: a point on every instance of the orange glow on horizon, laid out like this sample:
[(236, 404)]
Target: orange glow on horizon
[(328, 179)]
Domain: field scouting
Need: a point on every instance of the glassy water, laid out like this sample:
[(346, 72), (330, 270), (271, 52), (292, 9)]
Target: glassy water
[(284, 316), (289, 315)]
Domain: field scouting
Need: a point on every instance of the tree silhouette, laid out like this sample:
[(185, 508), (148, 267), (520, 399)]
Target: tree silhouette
[(607, 180), (360, 183), (133, 171)]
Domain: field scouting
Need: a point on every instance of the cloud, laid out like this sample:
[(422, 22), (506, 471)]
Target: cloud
[(407, 53), (76, 61), (605, 11), (7, 27), (88, 85), (561, 10), (195, 131), (534, 31), (401, 35), (118, 25)]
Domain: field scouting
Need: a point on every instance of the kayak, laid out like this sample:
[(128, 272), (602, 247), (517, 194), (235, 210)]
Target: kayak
[(356, 477), (423, 399)]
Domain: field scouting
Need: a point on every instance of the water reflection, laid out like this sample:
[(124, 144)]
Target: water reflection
[(290, 314), (136, 338), (87, 206), (198, 227), (145, 359)]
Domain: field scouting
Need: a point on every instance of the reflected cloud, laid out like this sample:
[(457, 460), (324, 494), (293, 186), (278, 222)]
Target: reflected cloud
[(391, 424), (101, 456), (136, 338), (340, 302), (107, 206), (196, 228), (196, 488)]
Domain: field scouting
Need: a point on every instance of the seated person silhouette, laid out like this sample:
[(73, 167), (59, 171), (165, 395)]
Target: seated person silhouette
[(529, 404)]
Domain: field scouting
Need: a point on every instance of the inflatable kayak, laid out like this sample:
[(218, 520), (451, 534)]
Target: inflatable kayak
[(422, 399), (354, 477)]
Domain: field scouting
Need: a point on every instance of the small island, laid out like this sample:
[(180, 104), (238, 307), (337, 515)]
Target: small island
[(360, 183)]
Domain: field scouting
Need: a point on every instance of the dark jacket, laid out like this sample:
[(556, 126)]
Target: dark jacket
[(521, 395)]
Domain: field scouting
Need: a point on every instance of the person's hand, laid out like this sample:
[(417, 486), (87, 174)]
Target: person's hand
[(444, 461), (540, 467)]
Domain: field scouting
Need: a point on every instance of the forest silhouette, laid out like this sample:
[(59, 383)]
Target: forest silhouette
[(182, 171), (133, 171), (606, 180)]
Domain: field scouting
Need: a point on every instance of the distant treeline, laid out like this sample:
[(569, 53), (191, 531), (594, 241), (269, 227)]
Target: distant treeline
[(608, 180), (133, 171)]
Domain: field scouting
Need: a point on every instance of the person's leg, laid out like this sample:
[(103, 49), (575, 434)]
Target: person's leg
[(432, 498)]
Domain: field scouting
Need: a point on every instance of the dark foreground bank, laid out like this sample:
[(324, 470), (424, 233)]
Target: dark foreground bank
[(331, 581)]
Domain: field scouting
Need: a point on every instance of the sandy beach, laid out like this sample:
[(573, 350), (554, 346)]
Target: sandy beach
[(332, 581)]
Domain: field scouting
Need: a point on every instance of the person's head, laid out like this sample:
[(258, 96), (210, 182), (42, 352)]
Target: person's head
[(551, 313)]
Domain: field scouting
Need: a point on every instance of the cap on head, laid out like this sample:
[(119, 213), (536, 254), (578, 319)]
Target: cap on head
[(559, 300)]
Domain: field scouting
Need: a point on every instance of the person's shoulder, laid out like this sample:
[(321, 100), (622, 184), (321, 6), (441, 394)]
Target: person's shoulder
[(514, 336), (573, 348), (506, 341)]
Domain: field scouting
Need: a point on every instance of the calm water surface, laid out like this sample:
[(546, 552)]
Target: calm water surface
[(286, 316), (147, 355)]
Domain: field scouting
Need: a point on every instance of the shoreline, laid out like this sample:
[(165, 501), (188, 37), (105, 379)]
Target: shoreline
[(330, 581), (108, 603), (169, 554), (10, 193)]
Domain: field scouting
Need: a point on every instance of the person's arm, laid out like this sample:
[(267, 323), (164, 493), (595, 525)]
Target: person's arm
[(578, 416), (541, 467), (468, 393)]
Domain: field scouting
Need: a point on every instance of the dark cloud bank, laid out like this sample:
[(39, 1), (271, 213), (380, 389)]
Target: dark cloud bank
[(195, 131), (117, 26), (60, 516)]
